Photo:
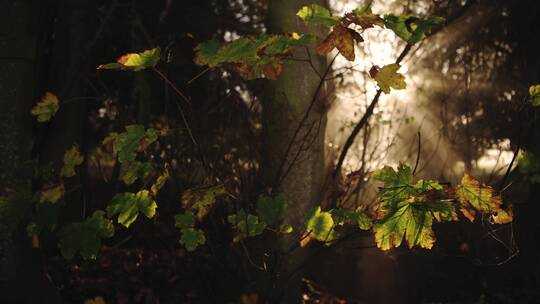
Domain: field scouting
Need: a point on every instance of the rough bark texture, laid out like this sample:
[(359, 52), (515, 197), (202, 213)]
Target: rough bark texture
[(286, 102), (17, 57)]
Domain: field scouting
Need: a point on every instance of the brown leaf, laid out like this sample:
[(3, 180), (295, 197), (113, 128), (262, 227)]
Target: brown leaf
[(365, 19), (273, 70), (341, 38)]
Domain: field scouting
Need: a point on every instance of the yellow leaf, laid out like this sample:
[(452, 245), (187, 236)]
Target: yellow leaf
[(46, 108), (96, 300), (134, 61), (388, 77), (72, 158), (52, 194)]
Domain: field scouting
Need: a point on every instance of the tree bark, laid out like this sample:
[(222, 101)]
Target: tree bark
[(21, 279), (285, 104)]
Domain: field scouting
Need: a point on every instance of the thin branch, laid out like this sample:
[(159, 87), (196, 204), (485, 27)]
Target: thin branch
[(369, 111), (301, 124), (418, 152)]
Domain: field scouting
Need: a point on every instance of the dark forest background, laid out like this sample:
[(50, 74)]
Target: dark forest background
[(492, 49)]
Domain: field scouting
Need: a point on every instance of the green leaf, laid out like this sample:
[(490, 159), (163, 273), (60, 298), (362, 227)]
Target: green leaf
[(134, 61), (201, 200), (192, 238), (317, 15), (388, 77), (72, 159), (247, 225), (85, 237), (529, 165), (534, 92), (128, 206), (285, 229), (252, 57), (363, 221), (133, 170), (46, 108), (411, 28), (474, 197), (320, 224), (396, 183), (271, 210), (358, 217), (411, 220), (184, 220), (128, 143)]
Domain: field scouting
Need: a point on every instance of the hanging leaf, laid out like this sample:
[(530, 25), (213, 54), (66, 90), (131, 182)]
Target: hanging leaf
[(529, 165), (502, 216), (72, 158), (134, 139), (85, 237), (46, 108), (363, 17), (387, 77), (128, 206), (52, 193), (320, 225), (133, 170), (317, 15), (341, 38), (251, 57), (134, 61), (192, 238), (409, 220), (271, 210), (200, 200), (246, 225), (411, 28), (474, 197), (184, 220), (407, 210), (160, 181), (534, 92)]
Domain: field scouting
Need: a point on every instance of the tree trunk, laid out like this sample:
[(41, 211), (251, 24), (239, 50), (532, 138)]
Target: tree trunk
[(21, 279), (285, 105)]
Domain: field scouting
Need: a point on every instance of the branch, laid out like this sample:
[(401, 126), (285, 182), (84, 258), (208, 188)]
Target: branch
[(358, 127)]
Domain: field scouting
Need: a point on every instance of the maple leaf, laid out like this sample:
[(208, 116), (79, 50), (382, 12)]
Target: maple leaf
[(133, 170), (128, 206), (412, 29), (412, 220), (52, 193), (251, 57), (387, 77), (85, 237), (160, 181), (247, 225), (184, 220), (474, 197), (341, 38), (46, 108), (320, 225), (72, 158), (271, 210), (364, 18), (200, 200), (534, 92), (134, 61), (317, 15), (192, 238)]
